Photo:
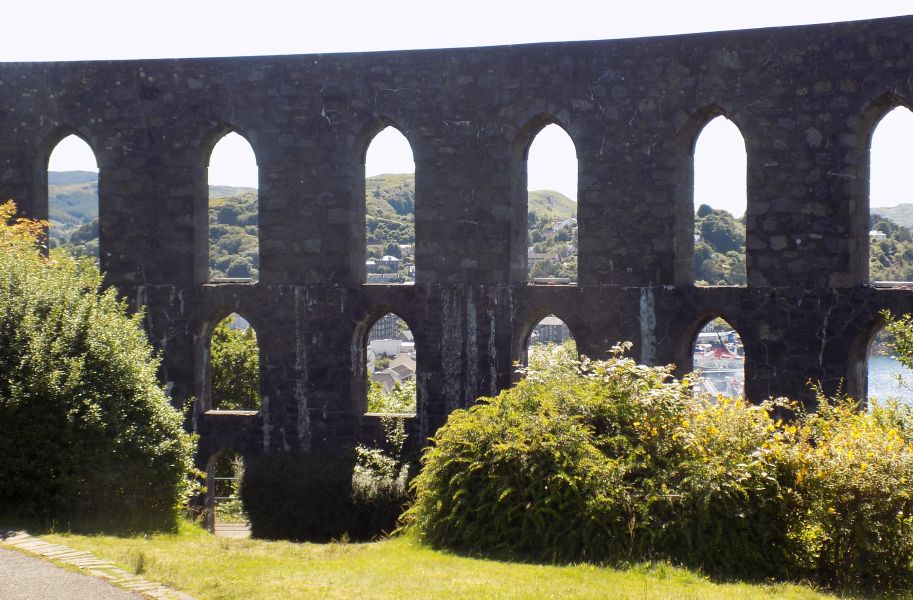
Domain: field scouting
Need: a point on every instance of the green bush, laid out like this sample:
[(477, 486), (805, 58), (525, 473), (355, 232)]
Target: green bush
[(611, 461), (556, 468), (400, 400), (89, 436)]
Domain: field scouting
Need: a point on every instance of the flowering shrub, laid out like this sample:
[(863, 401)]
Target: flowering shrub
[(855, 474), (613, 461)]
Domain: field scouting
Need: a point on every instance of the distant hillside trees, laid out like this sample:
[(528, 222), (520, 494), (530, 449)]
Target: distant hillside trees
[(719, 248), (234, 246), (891, 257)]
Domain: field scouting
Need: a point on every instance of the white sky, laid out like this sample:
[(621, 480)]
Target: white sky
[(720, 167), (109, 29)]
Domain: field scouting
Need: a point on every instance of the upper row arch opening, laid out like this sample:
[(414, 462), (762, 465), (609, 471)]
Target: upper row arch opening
[(390, 199), (234, 209)]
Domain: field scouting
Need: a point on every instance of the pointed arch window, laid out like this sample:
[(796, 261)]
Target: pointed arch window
[(391, 365), (73, 198), (234, 238), (890, 179), (549, 340), (720, 202), (234, 366), (389, 209), (551, 180), (719, 356)]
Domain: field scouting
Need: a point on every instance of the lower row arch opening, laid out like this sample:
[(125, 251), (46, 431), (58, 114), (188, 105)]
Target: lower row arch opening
[(391, 361), (234, 366), (549, 341), (226, 514), (718, 360)]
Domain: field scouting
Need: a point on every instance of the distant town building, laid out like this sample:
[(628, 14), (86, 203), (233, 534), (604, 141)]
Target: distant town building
[(550, 329), (877, 235), (569, 222), (386, 328)]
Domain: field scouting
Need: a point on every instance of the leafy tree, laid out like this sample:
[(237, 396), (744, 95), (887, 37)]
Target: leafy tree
[(90, 437), (392, 249), (723, 232), (239, 266), (235, 370), (719, 255), (704, 210)]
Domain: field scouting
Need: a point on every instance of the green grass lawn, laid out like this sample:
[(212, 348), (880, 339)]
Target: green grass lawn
[(209, 567)]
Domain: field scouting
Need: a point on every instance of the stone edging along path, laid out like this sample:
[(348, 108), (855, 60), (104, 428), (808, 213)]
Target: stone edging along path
[(89, 564)]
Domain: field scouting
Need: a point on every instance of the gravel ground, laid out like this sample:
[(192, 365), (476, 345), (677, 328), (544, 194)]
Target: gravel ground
[(25, 577)]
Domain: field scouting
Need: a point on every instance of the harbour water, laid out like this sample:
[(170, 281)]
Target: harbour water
[(725, 378), (883, 379)]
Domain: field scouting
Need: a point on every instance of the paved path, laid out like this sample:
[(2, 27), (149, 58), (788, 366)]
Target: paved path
[(232, 530), (24, 577), (32, 578)]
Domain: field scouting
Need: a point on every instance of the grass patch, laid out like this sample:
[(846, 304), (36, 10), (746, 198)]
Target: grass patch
[(206, 566)]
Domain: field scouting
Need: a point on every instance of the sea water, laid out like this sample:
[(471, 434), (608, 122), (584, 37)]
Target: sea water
[(883, 379)]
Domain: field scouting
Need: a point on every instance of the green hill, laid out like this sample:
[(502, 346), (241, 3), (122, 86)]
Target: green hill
[(902, 214), (551, 205), (73, 202), (390, 219), (390, 212)]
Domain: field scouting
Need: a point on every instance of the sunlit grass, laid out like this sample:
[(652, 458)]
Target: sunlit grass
[(206, 566)]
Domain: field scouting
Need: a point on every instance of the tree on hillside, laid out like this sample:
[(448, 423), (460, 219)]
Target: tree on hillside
[(719, 252), (721, 230)]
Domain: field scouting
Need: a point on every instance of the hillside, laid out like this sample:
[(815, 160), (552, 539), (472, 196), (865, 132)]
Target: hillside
[(73, 197), (902, 214), (390, 221), (390, 213), (551, 205), (719, 248)]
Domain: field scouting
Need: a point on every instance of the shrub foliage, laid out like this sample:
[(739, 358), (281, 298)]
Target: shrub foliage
[(89, 435), (610, 461)]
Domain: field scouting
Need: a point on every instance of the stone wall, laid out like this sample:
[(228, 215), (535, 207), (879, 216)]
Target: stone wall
[(806, 100)]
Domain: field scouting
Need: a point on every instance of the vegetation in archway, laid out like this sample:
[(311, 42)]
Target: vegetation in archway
[(90, 438), (234, 367)]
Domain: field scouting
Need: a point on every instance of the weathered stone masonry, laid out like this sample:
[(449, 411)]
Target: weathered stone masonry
[(805, 98)]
